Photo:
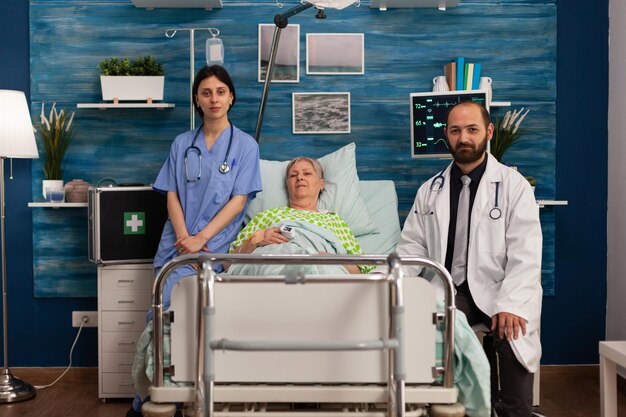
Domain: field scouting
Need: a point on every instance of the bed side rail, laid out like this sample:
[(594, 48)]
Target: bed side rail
[(207, 279)]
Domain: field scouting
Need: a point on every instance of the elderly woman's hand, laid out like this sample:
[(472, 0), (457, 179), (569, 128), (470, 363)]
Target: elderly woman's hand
[(266, 237)]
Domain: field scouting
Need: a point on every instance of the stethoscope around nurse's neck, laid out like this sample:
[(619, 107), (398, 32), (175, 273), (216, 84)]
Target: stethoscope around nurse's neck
[(224, 167)]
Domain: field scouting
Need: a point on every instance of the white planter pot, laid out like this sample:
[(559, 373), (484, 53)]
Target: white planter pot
[(144, 88), (52, 185)]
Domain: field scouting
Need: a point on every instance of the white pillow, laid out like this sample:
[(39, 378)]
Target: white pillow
[(341, 193)]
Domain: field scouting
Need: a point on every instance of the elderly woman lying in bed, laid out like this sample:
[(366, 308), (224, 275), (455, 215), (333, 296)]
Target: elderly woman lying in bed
[(298, 228)]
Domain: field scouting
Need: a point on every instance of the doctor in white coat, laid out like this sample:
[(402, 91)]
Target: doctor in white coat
[(502, 286)]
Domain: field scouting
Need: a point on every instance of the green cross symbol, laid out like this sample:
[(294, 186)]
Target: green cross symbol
[(134, 223)]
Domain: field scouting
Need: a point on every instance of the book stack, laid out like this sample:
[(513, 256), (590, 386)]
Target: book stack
[(461, 75)]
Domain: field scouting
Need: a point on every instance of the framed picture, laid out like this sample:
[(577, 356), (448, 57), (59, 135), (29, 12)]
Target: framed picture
[(287, 62), (335, 53), (321, 112)]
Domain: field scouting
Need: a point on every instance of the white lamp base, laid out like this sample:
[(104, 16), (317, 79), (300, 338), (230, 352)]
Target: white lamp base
[(13, 389)]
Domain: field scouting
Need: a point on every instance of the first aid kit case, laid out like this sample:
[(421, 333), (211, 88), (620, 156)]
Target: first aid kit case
[(125, 223)]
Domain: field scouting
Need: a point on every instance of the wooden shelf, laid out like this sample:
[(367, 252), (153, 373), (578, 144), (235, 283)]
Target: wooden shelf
[(543, 203), (397, 4), (104, 106), (56, 205), (194, 4)]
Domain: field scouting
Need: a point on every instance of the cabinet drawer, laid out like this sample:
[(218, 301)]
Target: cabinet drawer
[(130, 279), (119, 341), (123, 321), (118, 383), (125, 300), (117, 362)]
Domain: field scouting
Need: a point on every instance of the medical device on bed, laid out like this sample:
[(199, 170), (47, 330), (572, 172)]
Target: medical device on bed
[(429, 112), (287, 231), (334, 340)]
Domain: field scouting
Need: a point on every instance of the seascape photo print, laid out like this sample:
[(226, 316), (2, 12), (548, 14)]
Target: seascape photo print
[(321, 112), (287, 61), (335, 54)]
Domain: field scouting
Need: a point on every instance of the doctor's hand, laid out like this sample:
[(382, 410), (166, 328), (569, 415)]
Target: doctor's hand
[(190, 244), (508, 325)]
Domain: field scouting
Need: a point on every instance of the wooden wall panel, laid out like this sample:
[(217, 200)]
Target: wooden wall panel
[(404, 49)]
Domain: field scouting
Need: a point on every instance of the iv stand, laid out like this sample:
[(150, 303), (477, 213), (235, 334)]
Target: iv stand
[(169, 33)]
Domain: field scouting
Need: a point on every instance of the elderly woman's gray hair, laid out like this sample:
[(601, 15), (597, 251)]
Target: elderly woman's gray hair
[(316, 165)]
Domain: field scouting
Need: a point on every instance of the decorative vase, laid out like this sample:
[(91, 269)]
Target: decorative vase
[(50, 189), (76, 191)]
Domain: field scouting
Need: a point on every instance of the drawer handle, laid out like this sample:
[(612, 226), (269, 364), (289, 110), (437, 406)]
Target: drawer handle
[(126, 343), (125, 323), (126, 363), (125, 281), (126, 301), (126, 384)]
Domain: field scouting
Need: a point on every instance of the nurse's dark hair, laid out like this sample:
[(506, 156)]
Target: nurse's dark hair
[(483, 111), (218, 72)]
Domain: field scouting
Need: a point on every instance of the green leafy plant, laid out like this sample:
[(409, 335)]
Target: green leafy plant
[(145, 65), (56, 133), (507, 132)]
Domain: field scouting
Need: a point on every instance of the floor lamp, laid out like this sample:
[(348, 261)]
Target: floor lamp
[(17, 140)]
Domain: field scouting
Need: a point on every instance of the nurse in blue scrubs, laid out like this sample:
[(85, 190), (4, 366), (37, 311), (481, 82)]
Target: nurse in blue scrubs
[(210, 176)]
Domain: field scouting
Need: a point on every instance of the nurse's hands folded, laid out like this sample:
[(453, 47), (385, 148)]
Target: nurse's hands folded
[(190, 244)]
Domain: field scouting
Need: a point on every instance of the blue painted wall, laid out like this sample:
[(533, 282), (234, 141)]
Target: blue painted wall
[(580, 245)]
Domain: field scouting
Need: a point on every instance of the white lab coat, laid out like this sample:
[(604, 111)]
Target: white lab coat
[(504, 255)]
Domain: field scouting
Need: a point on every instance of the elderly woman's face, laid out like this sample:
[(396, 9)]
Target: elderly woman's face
[(303, 181)]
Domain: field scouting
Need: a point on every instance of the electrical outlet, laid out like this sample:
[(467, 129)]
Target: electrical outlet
[(79, 316)]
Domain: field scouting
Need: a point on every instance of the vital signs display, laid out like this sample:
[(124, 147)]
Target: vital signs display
[(428, 119)]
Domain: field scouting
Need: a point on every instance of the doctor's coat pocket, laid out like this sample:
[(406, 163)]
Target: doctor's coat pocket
[(491, 240)]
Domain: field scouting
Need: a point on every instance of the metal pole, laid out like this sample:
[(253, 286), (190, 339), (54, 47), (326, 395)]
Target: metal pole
[(4, 270), (192, 54), (281, 22)]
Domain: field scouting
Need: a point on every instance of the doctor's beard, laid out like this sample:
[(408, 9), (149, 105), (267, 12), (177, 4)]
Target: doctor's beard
[(470, 152)]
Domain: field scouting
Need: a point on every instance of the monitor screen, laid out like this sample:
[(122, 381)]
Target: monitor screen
[(428, 119)]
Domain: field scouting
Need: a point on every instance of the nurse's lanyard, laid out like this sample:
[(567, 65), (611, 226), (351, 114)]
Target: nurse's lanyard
[(224, 168)]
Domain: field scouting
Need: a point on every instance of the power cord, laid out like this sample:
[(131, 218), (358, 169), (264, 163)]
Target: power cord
[(82, 323)]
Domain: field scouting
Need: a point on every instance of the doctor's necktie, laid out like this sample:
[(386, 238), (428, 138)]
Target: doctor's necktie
[(459, 261)]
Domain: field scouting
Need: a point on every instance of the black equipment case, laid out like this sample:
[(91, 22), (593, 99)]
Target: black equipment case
[(125, 223)]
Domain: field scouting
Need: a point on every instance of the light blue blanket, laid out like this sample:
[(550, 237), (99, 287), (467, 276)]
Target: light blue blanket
[(308, 239)]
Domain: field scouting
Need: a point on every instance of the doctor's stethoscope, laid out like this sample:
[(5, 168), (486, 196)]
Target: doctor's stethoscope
[(437, 185), (224, 168)]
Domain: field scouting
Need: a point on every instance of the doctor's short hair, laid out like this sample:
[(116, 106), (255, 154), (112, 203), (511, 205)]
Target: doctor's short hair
[(218, 72), (483, 111), (316, 165)]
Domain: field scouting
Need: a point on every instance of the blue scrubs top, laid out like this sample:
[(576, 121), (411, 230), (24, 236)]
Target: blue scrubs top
[(203, 199)]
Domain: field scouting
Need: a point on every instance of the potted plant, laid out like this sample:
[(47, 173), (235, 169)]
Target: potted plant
[(507, 132), (141, 79), (56, 133)]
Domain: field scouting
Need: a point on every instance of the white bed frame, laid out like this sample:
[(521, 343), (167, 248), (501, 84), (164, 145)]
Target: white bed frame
[(361, 344)]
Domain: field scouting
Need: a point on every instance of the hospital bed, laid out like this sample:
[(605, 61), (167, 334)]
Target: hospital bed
[(304, 360), (351, 345)]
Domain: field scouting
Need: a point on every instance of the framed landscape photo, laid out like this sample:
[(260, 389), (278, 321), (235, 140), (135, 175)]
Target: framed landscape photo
[(335, 54), (287, 61), (321, 113)]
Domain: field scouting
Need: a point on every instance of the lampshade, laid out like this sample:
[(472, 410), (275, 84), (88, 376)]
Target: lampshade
[(332, 4), (17, 139)]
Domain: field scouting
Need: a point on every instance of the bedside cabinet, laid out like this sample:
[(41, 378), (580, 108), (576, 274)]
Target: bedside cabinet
[(124, 298)]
